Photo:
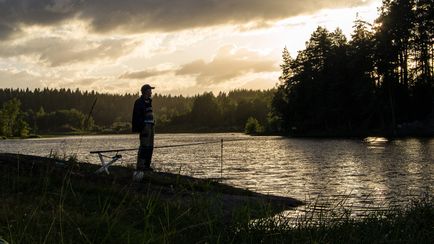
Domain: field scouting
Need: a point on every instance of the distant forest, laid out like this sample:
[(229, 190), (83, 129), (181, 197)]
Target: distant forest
[(379, 82), (25, 112)]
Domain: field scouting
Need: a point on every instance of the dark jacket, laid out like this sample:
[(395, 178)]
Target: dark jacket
[(140, 115)]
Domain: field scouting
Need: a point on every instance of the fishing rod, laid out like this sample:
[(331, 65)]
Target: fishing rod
[(84, 125), (115, 158), (90, 112), (118, 156), (166, 146)]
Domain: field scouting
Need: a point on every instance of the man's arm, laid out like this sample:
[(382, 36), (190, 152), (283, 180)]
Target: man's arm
[(135, 121)]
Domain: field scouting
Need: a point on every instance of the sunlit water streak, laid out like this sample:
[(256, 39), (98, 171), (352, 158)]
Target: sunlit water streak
[(367, 174)]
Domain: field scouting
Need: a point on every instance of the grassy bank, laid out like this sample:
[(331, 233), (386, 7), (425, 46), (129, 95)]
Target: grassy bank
[(62, 201)]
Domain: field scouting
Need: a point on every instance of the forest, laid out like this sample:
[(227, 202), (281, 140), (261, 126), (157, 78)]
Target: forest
[(378, 82), (52, 111)]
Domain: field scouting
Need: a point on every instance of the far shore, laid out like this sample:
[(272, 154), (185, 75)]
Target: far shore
[(361, 136)]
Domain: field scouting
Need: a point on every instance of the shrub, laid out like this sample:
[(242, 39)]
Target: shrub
[(253, 126)]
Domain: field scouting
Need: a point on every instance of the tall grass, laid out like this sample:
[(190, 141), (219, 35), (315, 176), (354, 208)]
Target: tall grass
[(413, 223), (47, 205)]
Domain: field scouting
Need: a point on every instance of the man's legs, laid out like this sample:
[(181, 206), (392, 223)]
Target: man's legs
[(141, 154), (144, 156)]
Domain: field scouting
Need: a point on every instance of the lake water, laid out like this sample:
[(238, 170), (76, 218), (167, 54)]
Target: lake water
[(367, 174)]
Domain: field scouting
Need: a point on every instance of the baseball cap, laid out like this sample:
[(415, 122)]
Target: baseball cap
[(146, 87)]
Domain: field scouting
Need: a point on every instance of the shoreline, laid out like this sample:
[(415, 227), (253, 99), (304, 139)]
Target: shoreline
[(306, 136), (167, 185)]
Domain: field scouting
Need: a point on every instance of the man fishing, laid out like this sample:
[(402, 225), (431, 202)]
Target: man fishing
[(143, 123)]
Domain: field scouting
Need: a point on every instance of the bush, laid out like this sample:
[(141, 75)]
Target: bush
[(253, 126), (121, 127), (12, 121)]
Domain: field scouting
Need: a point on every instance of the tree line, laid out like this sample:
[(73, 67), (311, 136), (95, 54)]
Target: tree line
[(24, 112), (380, 81)]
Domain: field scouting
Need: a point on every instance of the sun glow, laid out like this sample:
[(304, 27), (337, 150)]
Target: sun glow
[(296, 31), (69, 54)]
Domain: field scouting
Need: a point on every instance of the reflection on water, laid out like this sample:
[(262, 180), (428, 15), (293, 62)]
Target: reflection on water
[(367, 173)]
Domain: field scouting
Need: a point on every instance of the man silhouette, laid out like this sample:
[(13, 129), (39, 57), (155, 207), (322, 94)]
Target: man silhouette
[(143, 123)]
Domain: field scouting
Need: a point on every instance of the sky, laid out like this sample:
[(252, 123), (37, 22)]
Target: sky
[(182, 47)]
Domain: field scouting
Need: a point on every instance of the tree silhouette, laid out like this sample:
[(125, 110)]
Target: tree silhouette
[(379, 82)]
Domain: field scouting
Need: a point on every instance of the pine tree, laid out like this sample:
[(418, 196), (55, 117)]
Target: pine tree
[(285, 66)]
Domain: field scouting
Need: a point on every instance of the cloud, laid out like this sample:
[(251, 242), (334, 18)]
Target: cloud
[(143, 74), (19, 79), (56, 51), (229, 63), (85, 82), (135, 16), (6, 31), (16, 13)]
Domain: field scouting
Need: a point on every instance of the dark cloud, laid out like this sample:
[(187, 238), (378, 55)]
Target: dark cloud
[(17, 13), (228, 64), (143, 74), (55, 51), (154, 15), (6, 31)]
